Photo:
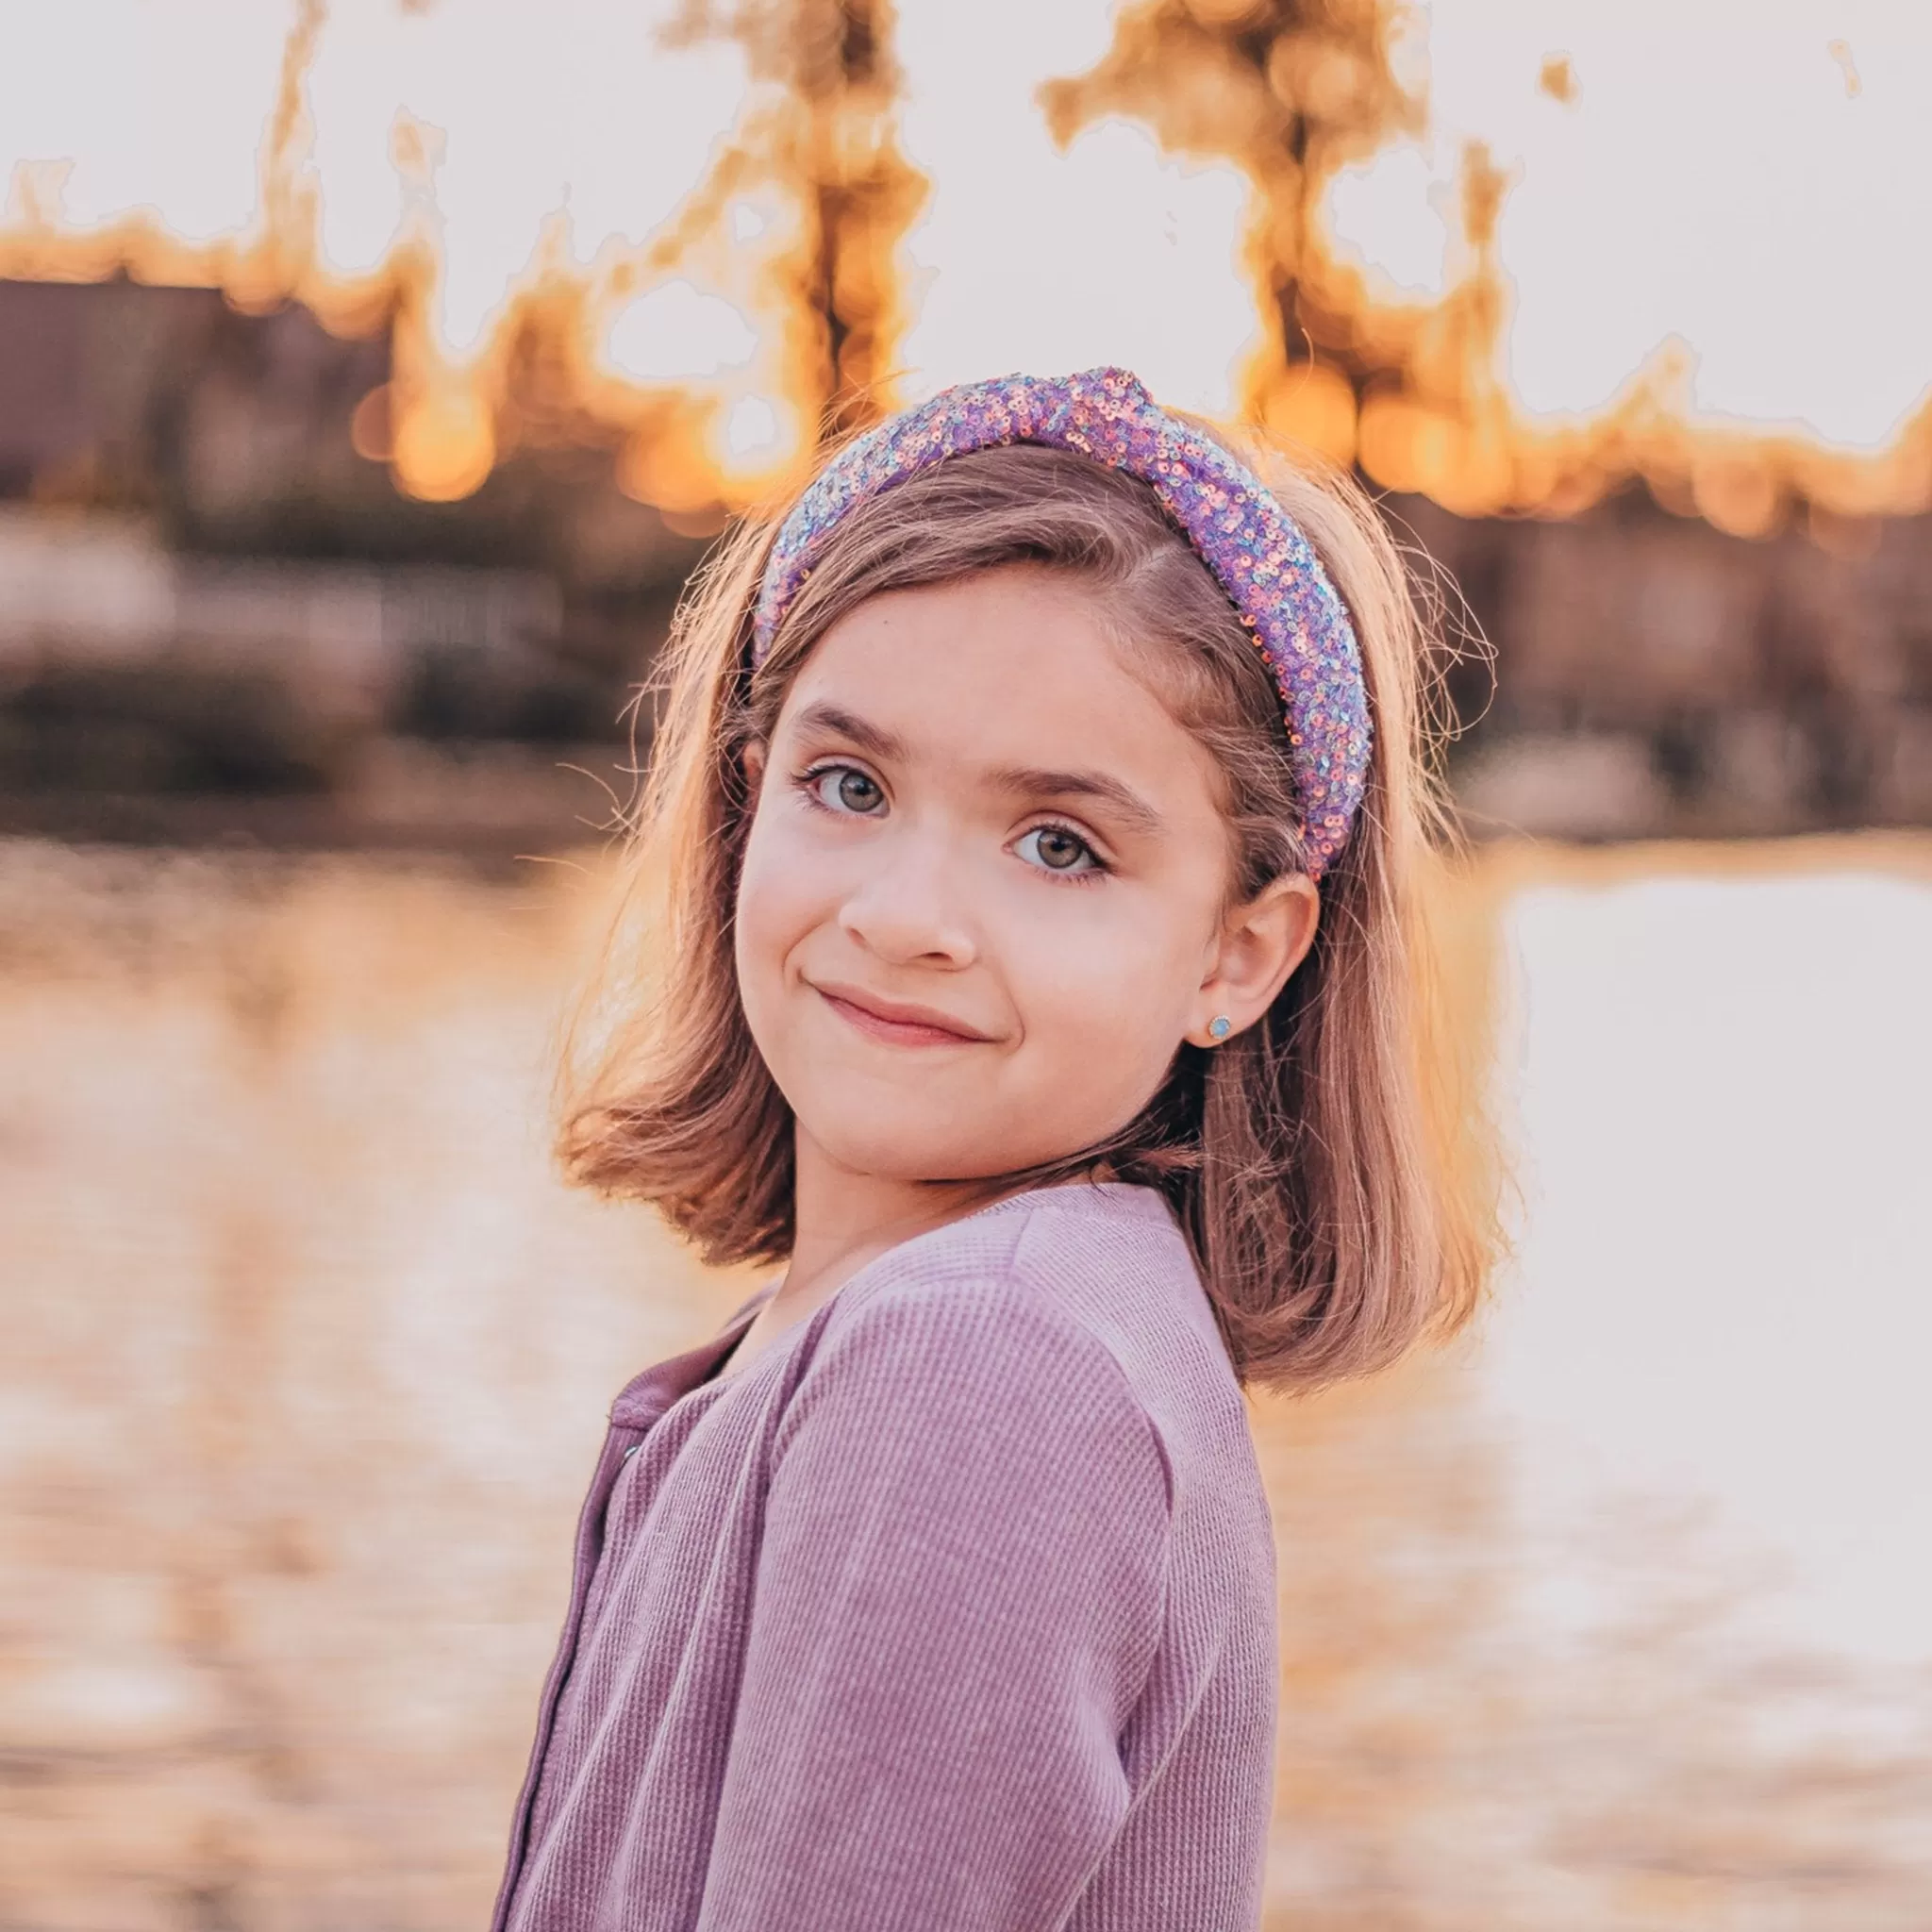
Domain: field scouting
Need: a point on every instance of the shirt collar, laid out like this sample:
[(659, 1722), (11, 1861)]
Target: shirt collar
[(646, 1397)]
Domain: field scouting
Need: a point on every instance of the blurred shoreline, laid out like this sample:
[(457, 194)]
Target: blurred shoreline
[(489, 802)]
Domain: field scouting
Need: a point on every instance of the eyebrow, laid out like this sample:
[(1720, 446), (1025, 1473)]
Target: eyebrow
[(1030, 782), (836, 722)]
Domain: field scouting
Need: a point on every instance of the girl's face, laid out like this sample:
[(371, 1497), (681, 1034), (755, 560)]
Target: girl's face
[(985, 889)]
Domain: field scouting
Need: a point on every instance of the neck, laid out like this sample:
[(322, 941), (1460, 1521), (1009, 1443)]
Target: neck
[(844, 1218)]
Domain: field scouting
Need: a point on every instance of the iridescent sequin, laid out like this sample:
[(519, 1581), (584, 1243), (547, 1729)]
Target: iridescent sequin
[(1257, 552)]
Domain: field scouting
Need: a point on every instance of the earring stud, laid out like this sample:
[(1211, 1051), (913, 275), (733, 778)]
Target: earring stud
[(1220, 1026)]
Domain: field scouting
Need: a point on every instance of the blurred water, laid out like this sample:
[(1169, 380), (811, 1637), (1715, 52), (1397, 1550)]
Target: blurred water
[(1724, 1092), (1610, 1619)]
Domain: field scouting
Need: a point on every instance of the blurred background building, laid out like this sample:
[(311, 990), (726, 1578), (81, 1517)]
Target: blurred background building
[(216, 614), (218, 609)]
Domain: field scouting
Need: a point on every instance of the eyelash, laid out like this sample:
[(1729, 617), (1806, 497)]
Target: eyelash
[(805, 783), (1089, 874)]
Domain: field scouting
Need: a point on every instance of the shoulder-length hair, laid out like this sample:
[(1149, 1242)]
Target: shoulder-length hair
[(1319, 1162)]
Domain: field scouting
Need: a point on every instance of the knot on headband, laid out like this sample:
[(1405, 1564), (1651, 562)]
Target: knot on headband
[(1258, 554)]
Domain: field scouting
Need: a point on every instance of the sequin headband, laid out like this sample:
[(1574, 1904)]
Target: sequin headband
[(1257, 552)]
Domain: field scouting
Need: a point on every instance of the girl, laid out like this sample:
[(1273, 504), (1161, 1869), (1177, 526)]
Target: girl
[(1028, 964)]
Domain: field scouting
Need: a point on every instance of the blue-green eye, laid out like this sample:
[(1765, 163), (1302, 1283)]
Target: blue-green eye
[(846, 788), (1054, 848)]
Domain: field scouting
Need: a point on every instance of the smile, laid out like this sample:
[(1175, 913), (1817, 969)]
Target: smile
[(896, 1023)]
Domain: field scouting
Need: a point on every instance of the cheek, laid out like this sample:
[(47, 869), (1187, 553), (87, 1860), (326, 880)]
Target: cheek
[(1107, 996), (781, 896)]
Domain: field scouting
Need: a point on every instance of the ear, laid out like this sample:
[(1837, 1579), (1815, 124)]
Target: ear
[(751, 761), (1259, 946)]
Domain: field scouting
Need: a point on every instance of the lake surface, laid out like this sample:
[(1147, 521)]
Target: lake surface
[(1615, 1615)]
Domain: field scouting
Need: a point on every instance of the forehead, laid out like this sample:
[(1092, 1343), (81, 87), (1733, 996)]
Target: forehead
[(1018, 666)]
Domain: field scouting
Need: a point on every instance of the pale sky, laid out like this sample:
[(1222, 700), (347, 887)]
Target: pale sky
[(1725, 179), (1720, 179)]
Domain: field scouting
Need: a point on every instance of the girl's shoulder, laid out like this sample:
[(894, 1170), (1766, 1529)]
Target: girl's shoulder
[(1068, 1255), (1079, 1293)]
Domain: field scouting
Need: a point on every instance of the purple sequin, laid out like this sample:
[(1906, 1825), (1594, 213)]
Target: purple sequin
[(1258, 554)]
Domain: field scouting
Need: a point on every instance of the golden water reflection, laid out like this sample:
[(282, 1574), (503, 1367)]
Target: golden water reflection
[(304, 1360)]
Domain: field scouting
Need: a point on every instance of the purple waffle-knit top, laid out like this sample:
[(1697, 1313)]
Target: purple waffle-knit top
[(953, 1608)]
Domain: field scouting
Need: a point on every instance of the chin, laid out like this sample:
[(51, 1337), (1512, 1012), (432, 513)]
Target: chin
[(926, 1148), (901, 1156), (921, 1150)]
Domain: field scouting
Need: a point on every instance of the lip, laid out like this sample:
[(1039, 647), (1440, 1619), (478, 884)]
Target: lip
[(899, 1021)]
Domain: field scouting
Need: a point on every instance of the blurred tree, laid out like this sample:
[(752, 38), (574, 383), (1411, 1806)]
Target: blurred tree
[(1292, 91), (822, 129)]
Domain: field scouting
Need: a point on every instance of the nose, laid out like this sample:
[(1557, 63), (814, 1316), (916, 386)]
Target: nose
[(908, 907)]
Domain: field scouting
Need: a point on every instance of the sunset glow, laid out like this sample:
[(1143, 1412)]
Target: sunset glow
[(1729, 204)]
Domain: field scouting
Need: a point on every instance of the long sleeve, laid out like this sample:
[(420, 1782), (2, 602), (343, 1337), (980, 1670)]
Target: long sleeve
[(958, 1596)]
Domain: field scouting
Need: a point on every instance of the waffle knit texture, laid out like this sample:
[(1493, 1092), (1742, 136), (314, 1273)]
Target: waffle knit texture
[(955, 1609)]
